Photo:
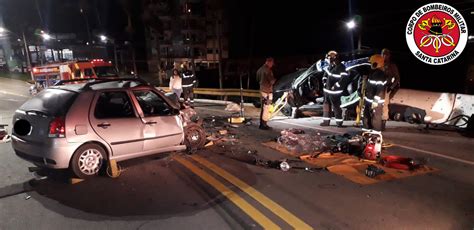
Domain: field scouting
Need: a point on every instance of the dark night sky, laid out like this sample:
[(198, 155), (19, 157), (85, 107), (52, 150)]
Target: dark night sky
[(275, 28), (283, 28)]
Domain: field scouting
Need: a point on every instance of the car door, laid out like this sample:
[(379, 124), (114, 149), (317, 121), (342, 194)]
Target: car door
[(115, 120), (163, 128)]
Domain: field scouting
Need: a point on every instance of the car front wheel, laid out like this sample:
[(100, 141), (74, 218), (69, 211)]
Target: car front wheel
[(87, 160)]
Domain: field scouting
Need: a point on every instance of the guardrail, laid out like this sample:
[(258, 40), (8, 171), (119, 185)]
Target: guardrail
[(222, 92)]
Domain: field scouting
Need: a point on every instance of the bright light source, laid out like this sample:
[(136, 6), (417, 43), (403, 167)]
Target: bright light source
[(103, 38), (2, 30), (87, 43), (351, 24), (46, 36), (19, 40), (189, 10)]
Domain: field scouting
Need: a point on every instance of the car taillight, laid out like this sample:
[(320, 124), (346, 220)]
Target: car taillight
[(57, 127)]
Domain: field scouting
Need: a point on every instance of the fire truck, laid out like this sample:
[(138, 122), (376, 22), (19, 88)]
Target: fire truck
[(48, 75)]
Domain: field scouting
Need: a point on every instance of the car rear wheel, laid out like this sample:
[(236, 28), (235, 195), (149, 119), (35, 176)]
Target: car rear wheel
[(87, 160)]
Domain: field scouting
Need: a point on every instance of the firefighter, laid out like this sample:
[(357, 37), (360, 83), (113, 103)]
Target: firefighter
[(333, 77), (188, 82), (266, 79), (393, 81), (375, 94)]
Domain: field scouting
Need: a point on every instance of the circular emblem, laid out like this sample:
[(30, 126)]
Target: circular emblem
[(436, 33)]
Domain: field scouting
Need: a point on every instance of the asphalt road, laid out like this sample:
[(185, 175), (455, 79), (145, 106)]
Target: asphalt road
[(219, 188)]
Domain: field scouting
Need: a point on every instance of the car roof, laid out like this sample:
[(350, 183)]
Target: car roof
[(101, 84)]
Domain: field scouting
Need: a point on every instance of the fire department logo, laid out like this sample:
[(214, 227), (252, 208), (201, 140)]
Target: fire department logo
[(436, 33)]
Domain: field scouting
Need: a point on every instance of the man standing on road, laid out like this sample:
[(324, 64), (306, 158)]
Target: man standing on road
[(332, 80), (375, 94), (266, 79), (188, 81), (393, 82)]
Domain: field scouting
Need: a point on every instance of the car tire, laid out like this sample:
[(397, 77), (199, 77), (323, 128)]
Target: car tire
[(286, 110), (88, 161), (194, 137)]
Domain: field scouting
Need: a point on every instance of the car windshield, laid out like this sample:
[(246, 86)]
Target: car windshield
[(105, 71)]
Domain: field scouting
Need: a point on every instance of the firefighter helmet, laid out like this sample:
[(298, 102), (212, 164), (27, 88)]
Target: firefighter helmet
[(376, 61)]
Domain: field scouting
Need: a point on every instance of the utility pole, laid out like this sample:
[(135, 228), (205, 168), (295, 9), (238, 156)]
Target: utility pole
[(27, 54), (219, 51)]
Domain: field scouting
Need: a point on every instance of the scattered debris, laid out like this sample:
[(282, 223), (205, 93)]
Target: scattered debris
[(402, 163), (223, 132), (248, 123), (210, 143), (234, 126), (232, 107), (373, 171), (27, 197)]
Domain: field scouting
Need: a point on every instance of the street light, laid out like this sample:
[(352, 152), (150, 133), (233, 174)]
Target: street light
[(46, 36), (351, 24), (2, 30), (103, 38)]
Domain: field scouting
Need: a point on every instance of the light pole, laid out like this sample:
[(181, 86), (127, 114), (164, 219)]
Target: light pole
[(105, 40), (353, 24), (27, 53)]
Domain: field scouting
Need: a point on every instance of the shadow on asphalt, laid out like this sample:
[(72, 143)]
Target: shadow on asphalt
[(148, 188)]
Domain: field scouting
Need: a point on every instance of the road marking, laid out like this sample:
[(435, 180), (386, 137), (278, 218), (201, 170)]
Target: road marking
[(15, 94), (251, 211), (306, 126), (437, 154), (402, 146), (281, 212)]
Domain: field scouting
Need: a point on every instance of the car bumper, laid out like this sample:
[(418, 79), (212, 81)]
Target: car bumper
[(56, 153)]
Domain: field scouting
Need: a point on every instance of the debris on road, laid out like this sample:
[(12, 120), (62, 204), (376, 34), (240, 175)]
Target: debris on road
[(210, 143), (373, 171), (223, 132), (233, 107), (27, 197), (4, 136)]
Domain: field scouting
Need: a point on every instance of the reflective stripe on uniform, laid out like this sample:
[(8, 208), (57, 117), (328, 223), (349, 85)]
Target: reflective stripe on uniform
[(336, 75), (337, 84), (190, 85), (377, 82), (339, 120), (188, 76), (332, 91), (326, 118)]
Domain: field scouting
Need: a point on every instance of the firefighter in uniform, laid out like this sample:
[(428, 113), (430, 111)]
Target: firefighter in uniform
[(188, 80), (333, 77), (266, 79), (375, 94), (393, 81)]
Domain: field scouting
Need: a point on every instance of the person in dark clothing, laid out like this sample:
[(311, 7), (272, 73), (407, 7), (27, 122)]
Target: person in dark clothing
[(393, 80), (333, 79), (375, 94), (266, 79), (188, 81)]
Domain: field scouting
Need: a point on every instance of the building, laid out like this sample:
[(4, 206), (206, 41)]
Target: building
[(193, 31)]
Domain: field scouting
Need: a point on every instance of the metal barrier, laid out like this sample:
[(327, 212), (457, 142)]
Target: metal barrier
[(222, 92)]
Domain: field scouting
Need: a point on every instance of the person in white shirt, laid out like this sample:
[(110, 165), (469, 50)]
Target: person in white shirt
[(176, 85)]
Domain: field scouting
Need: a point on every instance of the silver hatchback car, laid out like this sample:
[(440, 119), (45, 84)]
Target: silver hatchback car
[(80, 126)]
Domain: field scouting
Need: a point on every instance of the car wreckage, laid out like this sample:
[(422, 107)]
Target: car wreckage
[(304, 88)]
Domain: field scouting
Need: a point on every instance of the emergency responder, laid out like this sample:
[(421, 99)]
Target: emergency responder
[(332, 80), (375, 94), (393, 82), (266, 79), (188, 81)]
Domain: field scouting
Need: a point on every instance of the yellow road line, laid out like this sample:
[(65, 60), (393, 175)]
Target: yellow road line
[(284, 214), (261, 219)]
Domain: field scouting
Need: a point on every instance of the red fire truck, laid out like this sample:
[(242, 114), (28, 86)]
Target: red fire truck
[(48, 75)]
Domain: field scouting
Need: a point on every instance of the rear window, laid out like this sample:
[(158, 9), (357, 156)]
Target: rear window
[(52, 102)]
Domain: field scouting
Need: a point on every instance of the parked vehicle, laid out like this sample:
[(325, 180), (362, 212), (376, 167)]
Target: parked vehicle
[(81, 126)]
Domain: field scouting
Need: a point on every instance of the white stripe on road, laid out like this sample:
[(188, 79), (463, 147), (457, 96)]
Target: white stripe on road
[(437, 154), (402, 146), (15, 94), (305, 126)]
